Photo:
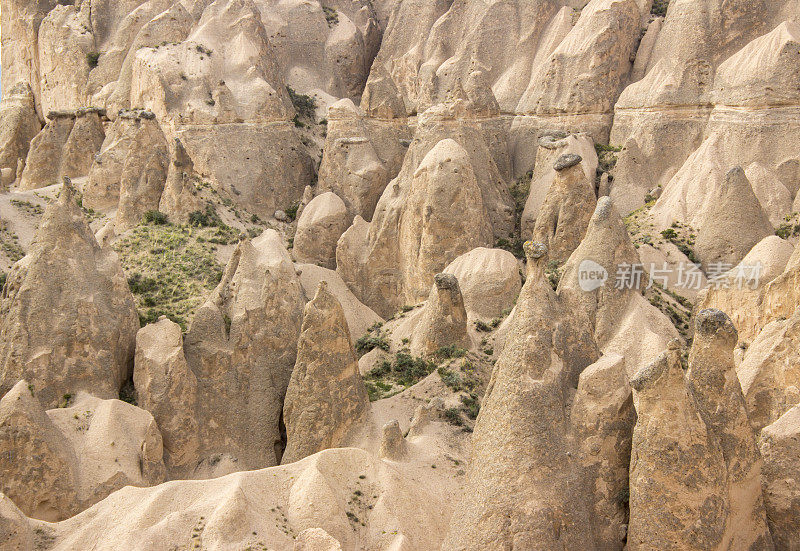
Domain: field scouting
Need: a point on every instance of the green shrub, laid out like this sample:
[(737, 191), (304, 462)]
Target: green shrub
[(155, 217), (304, 105), (224, 234), (784, 231), (394, 376), (512, 245), (451, 379), (92, 59), (606, 156), (202, 50), (206, 218), (128, 393), (449, 352), (553, 273), (331, 16), (660, 7), (372, 341), (471, 406), (291, 211), (28, 207), (453, 416)]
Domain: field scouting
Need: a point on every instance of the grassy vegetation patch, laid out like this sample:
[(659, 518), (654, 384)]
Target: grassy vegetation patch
[(553, 272), (461, 377), (450, 352), (790, 227), (304, 105), (27, 207), (9, 242), (606, 156), (683, 237), (660, 7), (170, 269), (677, 308), (331, 16), (372, 339), (92, 59), (397, 374), (519, 193)]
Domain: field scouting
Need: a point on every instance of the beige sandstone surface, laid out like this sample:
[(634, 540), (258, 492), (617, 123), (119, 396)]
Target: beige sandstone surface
[(349, 275)]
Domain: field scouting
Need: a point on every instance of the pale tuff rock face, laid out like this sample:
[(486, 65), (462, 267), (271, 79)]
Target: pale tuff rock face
[(263, 166), (431, 228), (202, 80), (360, 157), (489, 280), (424, 220), (44, 483), (606, 243), (65, 147), (444, 318), (603, 418), (393, 445), (553, 144), (770, 373), (327, 52), (20, 30), (166, 387), (772, 298), (85, 140), (704, 77), (326, 399), (381, 98), (359, 317), (717, 395), (764, 72), (316, 539), (19, 124), (323, 221), (133, 141), (46, 151), (15, 530), (68, 467), (309, 494), (564, 216), (89, 344), (622, 319), (782, 294), (143, 176), (379, 148), (65, 39), (241, 347), (673, 454), (93, 426), (715, 200), (779, 448), (774, 197), (179, 198), (120, 29), (170, 26), (603, 33), (537, 500), (731, 209)]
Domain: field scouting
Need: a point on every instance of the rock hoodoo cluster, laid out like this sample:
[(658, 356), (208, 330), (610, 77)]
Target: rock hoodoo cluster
[(400, 275)]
